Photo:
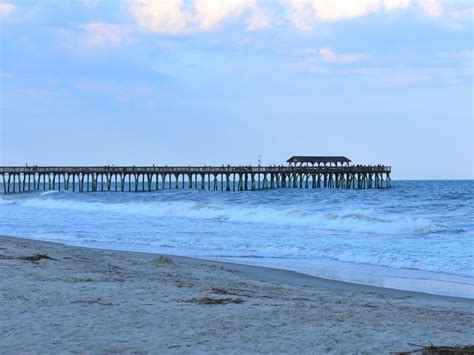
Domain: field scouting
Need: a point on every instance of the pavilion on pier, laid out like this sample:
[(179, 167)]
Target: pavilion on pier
[(318, 160)]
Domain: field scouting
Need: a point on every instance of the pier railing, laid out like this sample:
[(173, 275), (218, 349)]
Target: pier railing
[(192, 169)]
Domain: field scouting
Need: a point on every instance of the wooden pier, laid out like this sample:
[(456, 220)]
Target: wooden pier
[(324, 172)]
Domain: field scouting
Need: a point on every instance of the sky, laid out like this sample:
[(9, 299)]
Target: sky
[(212, 82)]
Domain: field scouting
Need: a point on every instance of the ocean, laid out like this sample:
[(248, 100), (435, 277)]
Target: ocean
[(417, 236)]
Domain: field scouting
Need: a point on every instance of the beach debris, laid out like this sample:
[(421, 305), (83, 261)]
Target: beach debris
[(181, 283), (97, 301), (439, 350), (8, 334), (231, 292), (163, 260), (216, 301), (220, 291), (33, 258), (36, 257), (387, 301), (113, 268)]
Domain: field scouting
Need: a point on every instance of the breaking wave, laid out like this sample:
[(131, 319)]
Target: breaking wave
[(368, 221)]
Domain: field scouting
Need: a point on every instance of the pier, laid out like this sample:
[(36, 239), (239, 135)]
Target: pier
[(301, 172)]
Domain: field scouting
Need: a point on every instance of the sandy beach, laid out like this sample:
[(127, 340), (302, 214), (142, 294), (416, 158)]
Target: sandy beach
[(97, 301)]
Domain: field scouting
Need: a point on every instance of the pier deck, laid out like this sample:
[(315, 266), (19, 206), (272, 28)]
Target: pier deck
[(226, 178)]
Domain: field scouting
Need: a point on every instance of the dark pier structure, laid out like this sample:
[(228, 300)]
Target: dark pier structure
[(302, 172)]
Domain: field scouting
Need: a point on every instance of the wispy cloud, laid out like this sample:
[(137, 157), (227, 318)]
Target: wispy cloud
[(260, 19), (6, 75), (94, 37), (327, 55), (462, 55), (462, 14), (396, 5), (389, 75), (410, 76), (432, 8), (103, 34), (6, 9), (448, 68), (323, 61), (91, 4)]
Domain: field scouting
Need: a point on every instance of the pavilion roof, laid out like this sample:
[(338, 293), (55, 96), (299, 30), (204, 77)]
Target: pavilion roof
[(318, 159)]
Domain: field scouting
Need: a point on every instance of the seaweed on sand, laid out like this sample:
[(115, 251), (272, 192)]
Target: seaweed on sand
[(440, 350), (33, 258), (215, 301)]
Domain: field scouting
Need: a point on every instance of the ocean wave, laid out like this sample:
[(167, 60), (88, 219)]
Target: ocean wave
[(52, 192), (353, 220), (404, 262), (6, 202)]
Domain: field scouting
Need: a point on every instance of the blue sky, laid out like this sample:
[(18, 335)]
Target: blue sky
[(200, 82)]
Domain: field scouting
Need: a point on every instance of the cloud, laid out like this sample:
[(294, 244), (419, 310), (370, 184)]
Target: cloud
[(103, 34), (461, 55), (6, 9), (327, 55), (176, 17), (457, 17), (180, 17), (90, 4), (432, 8), (321, 60), (396, 5), (210, 13), (167, 17), (259, 20), (390, 75), (305, 13), (331, 11), (462, 14)]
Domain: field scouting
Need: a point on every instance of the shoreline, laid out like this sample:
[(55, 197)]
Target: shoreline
[(56, 298), (266, 274), (276, 274), (394, 249)]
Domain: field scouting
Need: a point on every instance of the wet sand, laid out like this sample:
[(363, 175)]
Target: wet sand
[(101, 301)]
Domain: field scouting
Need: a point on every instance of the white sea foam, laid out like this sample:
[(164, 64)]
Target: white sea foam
[(51, 192), (368, 221)]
